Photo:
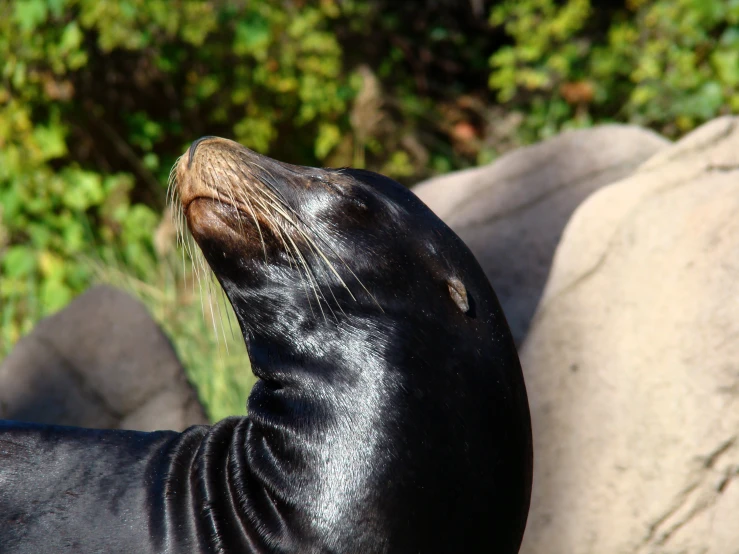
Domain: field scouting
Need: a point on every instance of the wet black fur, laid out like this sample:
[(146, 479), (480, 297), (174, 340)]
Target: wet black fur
[(387, 422)]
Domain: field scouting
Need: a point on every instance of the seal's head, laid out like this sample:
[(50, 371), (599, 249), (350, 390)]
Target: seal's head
[(387, 371)]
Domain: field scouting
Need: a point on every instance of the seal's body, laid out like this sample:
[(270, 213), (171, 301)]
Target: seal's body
[(64, 489), (390, 413)]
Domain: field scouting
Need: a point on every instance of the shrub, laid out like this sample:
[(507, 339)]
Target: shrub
[(667, 64), (97, 100)]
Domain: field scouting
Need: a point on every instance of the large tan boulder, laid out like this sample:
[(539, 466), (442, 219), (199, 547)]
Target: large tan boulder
[(101, 362), (511, 213), (632, 363)]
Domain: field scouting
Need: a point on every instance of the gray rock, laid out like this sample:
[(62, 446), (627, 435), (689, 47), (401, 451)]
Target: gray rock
[(511, 213), (102, 362), (632, 363)]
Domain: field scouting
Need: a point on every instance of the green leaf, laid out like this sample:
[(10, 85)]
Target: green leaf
[(727, 66), (151, 161), (56, 7), (40, 234), (19, 261), (71, 37), (74, 238), (84, 189), (51, 141), (29, 14), (329, 136), (252, 35), (710, 99), (54, 295), (52, 266)]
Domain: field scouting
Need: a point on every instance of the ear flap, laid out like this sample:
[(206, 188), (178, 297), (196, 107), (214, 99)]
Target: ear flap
[(458, 292)]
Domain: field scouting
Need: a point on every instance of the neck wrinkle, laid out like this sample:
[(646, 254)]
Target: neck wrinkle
[(318, 461)]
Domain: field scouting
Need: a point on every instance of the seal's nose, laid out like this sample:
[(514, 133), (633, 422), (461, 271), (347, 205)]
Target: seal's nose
[(193, 146)]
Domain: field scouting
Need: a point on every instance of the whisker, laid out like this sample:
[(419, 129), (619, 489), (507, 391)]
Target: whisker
[(243, 196), (317, 250), (278, 203), (226, 311), (260, 201), (308, 275)]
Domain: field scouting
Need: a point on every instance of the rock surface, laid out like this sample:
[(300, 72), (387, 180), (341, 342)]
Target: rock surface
[(511, 213), (102, 362), (632, 363)]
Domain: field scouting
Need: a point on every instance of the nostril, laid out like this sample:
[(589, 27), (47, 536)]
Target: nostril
[(193, 146)]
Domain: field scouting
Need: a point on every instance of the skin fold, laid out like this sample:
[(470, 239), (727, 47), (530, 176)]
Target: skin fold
[(390, 414)]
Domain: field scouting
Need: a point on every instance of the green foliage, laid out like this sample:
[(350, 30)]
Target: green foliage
[(543, 52), (46, 217), (97, 99), (667, 64)]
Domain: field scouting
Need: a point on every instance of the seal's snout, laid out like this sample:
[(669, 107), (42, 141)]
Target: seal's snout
[(194, 146)]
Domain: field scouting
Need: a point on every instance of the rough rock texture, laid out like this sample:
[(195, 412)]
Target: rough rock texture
[(632, 363), (511, 213), (102, 362)]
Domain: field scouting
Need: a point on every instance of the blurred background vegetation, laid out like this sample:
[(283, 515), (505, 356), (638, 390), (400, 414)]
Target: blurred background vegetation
[(99, 98)]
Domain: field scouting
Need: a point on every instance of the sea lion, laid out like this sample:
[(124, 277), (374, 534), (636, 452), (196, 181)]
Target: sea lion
[(390, 413)]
